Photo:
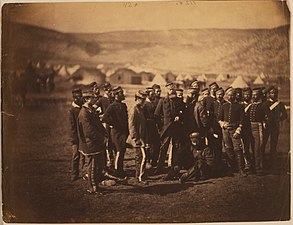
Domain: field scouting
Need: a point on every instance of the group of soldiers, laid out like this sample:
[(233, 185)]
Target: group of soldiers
[(212, 132)]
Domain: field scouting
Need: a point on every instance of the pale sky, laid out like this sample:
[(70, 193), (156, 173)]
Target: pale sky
[(97, 17)]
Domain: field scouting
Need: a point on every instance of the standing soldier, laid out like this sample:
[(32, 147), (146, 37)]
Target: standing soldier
[(231, 122), (154, 137), (211, 98), (103, 103), (171, 132), (92, 141), (139, 135), (258, 113), (238, 95), (217, 135), (195, 85), (246, 130), (191, 99), (117, 117), (73, 114), (157, 91), (278, 113)]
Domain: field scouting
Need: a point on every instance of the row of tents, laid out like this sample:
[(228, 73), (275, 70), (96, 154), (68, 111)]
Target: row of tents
[(83, 75)]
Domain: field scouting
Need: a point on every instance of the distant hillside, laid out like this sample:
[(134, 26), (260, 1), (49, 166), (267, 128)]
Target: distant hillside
[(234, 51)]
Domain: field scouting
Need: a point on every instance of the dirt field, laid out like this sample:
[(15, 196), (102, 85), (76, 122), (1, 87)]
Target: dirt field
[(37, 187)]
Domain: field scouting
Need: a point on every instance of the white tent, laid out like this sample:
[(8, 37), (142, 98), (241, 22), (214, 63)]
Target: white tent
[(158, 79), (72, 69), (202, 78), (239, 82), (262, 76), (220, 77), (63, 72), (258, 80), (180, 77), (188, 77)]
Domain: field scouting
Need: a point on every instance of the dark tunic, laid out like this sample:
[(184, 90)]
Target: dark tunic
[(73, 115), (233, 113), (91, 132), (116, 116)]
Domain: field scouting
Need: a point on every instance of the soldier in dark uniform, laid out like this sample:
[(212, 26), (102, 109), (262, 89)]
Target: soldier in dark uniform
[(139, 135), (204, 163), (157, 91), (102, 104), (246, 129), (264, 94), (191, 99), (217, 135), (189, 125), (73, 114), (117, 117), (172, 113), (195, 84), (258, 114), (201, 117), (278, 113), (152, 126), (92, 141), (238, 95), (213, 88), (231, 122), (211, 98)]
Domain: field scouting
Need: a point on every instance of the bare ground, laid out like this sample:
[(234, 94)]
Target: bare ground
[(37, 188)]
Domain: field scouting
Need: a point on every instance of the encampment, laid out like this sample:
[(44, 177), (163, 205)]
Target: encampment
[(239, 82)]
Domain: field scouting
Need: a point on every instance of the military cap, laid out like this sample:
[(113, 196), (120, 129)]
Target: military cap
[(149, 89), (229, 89), (214, 84), (263, 89), (93, 84), (76, 91), (220, 90), (204, 91), (238, 89), (170, 85), (194, 135), (141, 94), (271, 88), (179, 90), (117, 90), (192, 90), (256, 90), (107, 86), (156, 86), (88, 93), (194, 84), (246, 90)]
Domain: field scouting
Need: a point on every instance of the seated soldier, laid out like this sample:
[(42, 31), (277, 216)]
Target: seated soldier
[(204, 160)]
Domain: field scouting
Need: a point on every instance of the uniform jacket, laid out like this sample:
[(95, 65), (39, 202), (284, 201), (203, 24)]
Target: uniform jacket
[(201, 118), (149, 113), (104, 103), (277, 112), (138, 126), (73, 114), (210, 104), (232, 113), (168, 109), (116, 116), (190, 122), (258, 112), (92, 134)]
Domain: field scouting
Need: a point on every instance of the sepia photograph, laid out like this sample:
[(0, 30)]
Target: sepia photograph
[(146, 112)]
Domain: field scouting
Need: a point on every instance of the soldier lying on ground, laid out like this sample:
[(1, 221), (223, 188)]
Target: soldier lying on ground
[(204, 161)]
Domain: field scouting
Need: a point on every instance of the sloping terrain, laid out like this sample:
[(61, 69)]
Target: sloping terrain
[(246, 52)]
